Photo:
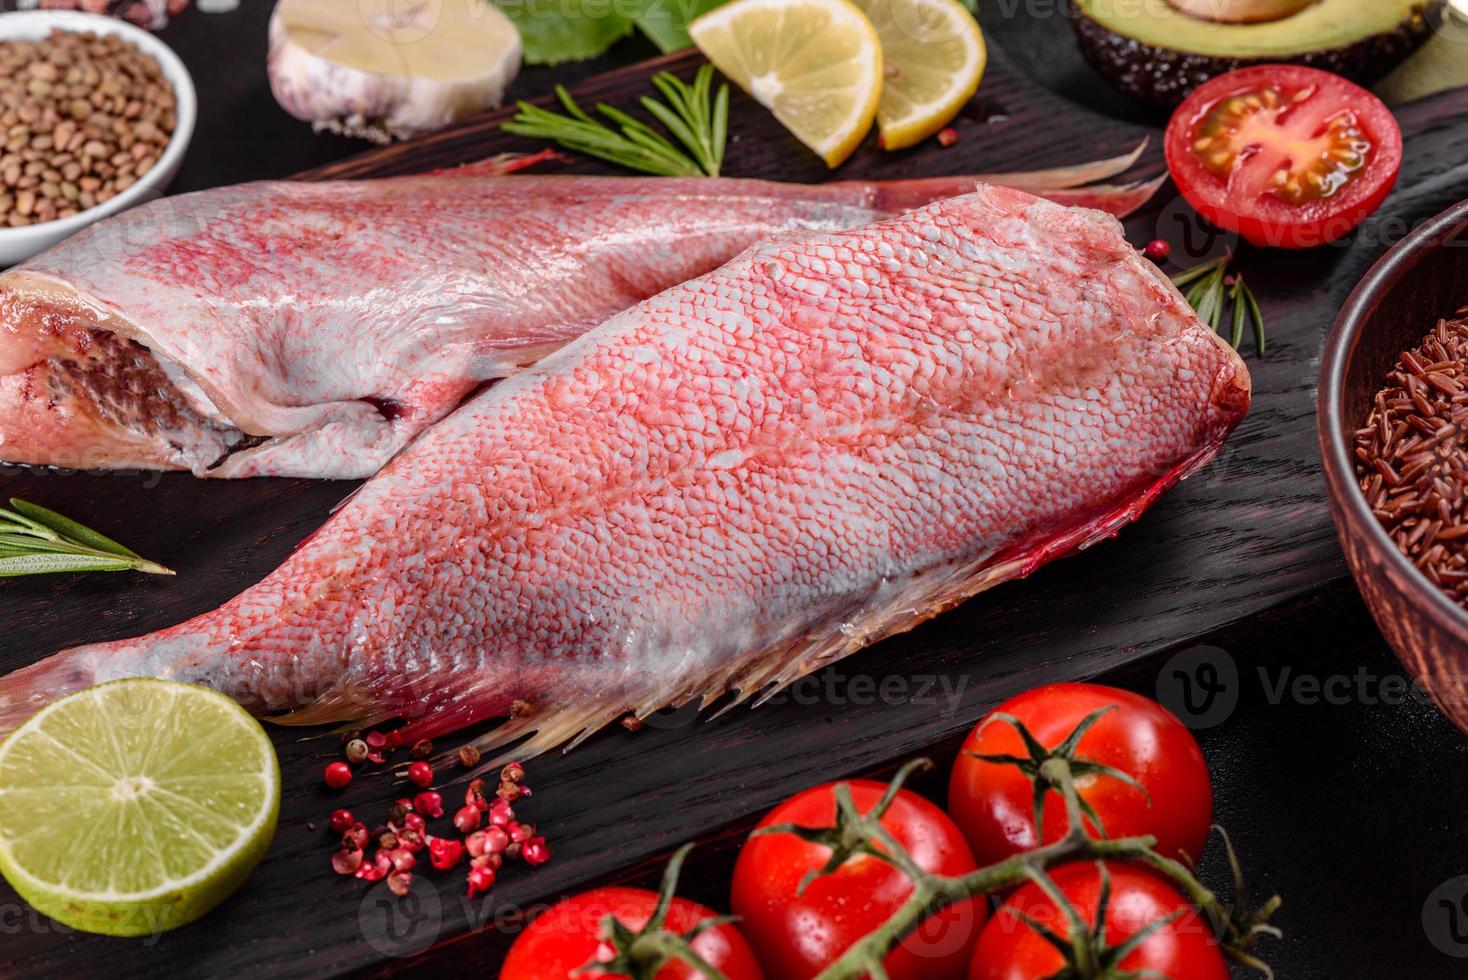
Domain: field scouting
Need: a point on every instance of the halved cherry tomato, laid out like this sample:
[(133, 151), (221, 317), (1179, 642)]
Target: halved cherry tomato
[(569, 935), (798, 935), (994, 802), (1284, 155), (1181, 949)]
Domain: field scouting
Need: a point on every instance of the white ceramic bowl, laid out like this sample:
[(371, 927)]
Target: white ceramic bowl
[(17, 244)]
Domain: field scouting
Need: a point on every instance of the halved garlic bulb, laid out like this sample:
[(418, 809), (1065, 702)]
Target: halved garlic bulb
[(385, 69)]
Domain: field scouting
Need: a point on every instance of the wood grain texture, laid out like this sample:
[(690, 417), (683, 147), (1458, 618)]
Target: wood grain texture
[(1250, 534)]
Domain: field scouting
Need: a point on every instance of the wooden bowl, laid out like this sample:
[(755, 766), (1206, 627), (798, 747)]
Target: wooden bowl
[(1423, 278)]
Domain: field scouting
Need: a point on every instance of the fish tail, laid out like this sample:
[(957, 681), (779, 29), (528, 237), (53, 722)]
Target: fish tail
[(24, 692)]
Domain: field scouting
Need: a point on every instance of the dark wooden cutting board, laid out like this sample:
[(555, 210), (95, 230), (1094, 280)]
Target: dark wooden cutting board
[(1244, 540)]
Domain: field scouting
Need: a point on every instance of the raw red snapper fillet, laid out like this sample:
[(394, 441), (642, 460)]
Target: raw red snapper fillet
[(827, 441), (312, 329)]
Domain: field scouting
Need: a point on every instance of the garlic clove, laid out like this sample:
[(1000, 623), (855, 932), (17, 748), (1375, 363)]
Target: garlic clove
[(386, 69)]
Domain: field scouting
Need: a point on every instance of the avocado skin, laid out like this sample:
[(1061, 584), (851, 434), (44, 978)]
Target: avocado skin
[(1164, 76)]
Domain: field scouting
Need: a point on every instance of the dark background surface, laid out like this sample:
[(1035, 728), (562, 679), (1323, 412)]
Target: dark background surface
[(1354, 811)]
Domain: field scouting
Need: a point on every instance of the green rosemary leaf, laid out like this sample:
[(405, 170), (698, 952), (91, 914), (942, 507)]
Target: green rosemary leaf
[(1217, 297), (720, 129), (20, 524), (68, 528), (686, 113), (35, 540), (1196, 272), (1241, 312), (43, 564), (1255, 315), (564, 94)]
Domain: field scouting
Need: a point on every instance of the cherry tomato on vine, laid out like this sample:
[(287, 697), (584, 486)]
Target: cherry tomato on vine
[(569, 935), (994, 802), (1181, 948), (1284, 155), (798, 935)]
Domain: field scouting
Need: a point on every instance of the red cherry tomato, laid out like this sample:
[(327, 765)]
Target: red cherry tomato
[(1183, 949), (569, 935), (1284, 155), (994, 803), (798, 935)]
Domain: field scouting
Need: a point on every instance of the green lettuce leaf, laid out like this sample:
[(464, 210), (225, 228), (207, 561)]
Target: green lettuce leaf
[(666, 21), (553, 31)]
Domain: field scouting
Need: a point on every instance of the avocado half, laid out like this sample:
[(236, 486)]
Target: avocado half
[(1150, 50)]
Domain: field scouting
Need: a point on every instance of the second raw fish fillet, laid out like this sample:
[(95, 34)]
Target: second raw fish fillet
[(827, 441)]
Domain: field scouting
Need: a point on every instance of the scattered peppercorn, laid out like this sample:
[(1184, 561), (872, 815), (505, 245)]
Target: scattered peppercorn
[(421, 749), (467, 818), (468, 757), (429, 804), (492, 833), (338, 775), (345, 862), (355, 837), (947, 136), (481, 879), (534, 851), (377, 869), (1157, 250), (356, 751), (444, 853), (420, 774)]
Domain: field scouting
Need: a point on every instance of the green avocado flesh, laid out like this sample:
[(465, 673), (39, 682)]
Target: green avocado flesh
[(1319, 27), (1155, 52)]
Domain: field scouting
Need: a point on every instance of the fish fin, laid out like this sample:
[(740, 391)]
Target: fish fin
[(567, 727), (899, 196), (1118, 200), (502, 164), (326, 710), (1074, 175)]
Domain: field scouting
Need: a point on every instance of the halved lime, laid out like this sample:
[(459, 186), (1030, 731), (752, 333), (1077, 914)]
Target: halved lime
[(135, 806)]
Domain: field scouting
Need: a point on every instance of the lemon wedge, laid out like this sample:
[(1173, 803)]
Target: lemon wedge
[(933, 58), (816, 64)]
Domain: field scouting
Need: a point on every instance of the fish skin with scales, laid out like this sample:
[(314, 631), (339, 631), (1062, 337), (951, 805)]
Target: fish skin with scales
[(312, 329), (829, 440)]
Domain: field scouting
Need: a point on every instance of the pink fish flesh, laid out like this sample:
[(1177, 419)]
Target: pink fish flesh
[(312, 329), (827, 441)]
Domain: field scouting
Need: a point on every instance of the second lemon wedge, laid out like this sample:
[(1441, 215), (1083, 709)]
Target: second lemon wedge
[(817, 64), (933, 57)]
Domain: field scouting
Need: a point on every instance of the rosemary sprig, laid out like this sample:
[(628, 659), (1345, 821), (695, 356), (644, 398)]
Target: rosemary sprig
[(700, 123), (37, 541), (1218, 294)]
